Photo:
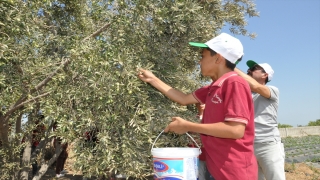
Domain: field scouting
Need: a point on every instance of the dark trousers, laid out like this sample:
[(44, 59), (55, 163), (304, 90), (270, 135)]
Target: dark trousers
[(61, 160), (34, 162)]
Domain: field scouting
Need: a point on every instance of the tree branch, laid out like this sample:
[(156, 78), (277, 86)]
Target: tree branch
[(98, 32), (45, 166), (47, 79), (22, 104), (18, 123), (63, 64)]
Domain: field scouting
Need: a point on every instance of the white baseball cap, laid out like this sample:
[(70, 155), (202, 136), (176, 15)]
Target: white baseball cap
[(266, 67), (226, 45)]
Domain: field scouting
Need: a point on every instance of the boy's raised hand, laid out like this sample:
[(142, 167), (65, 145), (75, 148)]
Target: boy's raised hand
[(145, 75)]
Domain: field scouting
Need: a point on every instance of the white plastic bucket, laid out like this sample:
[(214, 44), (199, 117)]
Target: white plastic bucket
[(174, 163)]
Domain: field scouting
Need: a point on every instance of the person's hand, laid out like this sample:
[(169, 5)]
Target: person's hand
[(145, 75), (178, 125)]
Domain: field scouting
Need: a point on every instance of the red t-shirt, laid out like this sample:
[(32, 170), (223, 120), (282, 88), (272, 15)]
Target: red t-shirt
[(229, 99), (38, 133)]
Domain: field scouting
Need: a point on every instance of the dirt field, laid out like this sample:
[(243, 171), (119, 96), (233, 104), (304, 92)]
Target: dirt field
[(294, 171), (302, 171), (297, 171)]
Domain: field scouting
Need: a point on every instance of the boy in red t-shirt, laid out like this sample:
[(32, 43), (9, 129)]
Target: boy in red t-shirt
[(227, 128)]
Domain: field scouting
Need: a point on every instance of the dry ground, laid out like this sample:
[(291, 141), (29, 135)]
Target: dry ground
[(294, 171), (302, 171)]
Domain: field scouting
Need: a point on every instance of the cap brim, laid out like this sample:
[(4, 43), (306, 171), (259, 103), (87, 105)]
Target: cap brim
[(195, 44), (251, 63)]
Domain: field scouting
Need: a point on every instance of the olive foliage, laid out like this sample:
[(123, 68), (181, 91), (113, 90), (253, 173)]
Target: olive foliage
[(77, 61)]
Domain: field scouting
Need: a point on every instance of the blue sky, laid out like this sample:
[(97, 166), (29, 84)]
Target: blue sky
[(289, 40)]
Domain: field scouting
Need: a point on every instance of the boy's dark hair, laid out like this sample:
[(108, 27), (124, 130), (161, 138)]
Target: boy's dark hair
[(229, 64), (212, 52), (267, 79)]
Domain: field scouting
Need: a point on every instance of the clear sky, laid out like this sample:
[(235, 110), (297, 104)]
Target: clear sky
[(289, 40)]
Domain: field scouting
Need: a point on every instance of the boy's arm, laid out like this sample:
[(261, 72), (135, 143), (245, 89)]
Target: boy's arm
[(173, 94), (226, 129), (256, 87), (232, 130)]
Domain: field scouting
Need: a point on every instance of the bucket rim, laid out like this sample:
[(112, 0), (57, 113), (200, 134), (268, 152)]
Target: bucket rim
[(173, 147)]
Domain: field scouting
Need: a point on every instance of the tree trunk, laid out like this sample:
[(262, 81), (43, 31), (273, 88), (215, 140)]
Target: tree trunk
[(4, 139), (18, 123), (26, 162), (45, 166)]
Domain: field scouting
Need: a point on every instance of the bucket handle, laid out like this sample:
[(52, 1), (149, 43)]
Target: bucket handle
[(186, 133)]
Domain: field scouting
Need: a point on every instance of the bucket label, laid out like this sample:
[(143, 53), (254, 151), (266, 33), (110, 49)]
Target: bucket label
[(160, 166), (175, 168)]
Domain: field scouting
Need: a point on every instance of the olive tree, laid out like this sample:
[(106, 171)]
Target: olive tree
[(76, 61)]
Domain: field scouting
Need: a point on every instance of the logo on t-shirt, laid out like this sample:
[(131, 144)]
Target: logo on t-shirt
[(216, 99)]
